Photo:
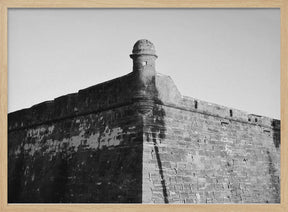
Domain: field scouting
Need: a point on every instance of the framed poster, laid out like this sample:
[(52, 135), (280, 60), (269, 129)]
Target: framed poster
[(139, 138)]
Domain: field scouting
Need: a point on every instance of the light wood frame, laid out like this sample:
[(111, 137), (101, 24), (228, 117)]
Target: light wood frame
[(6, 4)]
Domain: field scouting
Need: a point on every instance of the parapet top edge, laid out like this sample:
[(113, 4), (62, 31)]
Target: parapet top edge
[(230, 113), (52, 101)]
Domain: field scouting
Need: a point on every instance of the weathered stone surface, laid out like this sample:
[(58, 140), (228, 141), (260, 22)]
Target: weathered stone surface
[(198, 158), (91, 158), (136, 139)]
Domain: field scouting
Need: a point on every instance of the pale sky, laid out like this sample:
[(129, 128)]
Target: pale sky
[(229, 57)]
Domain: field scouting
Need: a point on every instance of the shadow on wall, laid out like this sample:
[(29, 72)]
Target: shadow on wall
[(274, 179), (159, 127), (156, 123), (56, 189), (276, 133), (50, 183), (14, 182), (85, 175)]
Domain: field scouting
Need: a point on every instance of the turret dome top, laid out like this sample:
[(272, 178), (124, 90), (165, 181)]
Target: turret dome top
[(144, 47)]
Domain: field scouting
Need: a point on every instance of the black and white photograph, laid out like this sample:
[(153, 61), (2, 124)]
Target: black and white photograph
[(144, 106)]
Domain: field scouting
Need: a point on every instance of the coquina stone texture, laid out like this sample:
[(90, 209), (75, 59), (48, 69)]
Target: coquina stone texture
[(136, 139)]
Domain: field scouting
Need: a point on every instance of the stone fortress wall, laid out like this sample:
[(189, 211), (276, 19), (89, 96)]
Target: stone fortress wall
[(136, 139)]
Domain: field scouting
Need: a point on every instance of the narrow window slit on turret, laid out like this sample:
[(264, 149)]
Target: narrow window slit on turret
[(231, 113)]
